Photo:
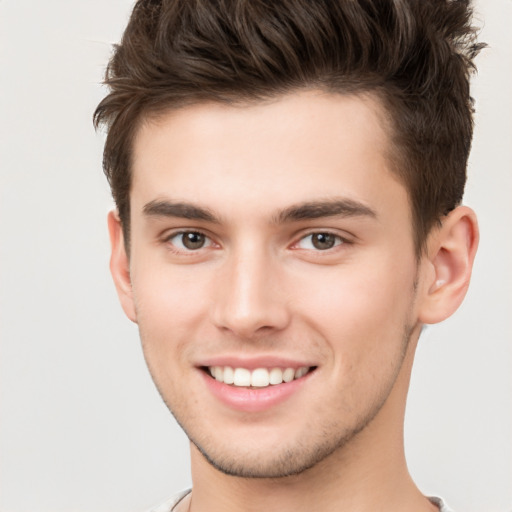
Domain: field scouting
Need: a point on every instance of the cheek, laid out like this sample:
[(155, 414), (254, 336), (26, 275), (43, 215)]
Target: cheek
[(363, 321), (171, 305), (362, 310), (168, 292)]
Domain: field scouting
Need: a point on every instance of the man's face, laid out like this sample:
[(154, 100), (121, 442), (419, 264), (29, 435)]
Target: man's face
[(272, 237)]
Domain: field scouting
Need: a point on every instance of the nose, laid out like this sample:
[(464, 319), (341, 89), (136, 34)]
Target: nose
[(250, 299)]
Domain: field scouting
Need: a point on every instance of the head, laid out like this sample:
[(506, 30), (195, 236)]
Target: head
[(415, 57), (287, 176)]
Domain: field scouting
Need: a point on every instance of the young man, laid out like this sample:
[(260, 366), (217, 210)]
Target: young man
[(288, 177)]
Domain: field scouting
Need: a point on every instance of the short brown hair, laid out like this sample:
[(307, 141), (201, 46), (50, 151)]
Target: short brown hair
[(416, 55)]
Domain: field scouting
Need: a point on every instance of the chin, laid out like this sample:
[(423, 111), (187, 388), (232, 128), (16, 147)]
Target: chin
[(278, 465), (276, 459)]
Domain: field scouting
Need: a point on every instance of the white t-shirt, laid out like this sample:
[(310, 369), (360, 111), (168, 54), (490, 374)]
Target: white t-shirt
[(168, 505)]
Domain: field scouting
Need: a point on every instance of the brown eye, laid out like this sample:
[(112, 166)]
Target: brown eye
[(193, 240), (320, 241), (323, 241), (189, 241)]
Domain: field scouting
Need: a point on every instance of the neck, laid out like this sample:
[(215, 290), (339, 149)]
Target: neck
[(368, 473)]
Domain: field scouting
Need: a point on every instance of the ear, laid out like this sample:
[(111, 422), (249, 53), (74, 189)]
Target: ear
[(120, 266), (451, 251)]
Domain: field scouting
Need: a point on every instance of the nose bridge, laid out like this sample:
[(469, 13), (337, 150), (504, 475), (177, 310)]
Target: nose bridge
[(249, 300)]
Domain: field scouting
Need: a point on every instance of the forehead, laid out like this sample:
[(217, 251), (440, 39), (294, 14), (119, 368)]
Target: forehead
[(298, 147)]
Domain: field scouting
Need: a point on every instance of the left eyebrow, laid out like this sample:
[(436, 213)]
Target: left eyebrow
[(320, 209), (179, 210)]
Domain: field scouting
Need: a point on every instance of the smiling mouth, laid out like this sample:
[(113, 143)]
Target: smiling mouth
[(257, 378)]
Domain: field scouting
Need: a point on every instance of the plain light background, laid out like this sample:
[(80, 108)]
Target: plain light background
[(82, 427)]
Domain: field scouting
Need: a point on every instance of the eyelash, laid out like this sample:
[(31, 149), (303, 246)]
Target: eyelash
[(339, 241), (185, 250)]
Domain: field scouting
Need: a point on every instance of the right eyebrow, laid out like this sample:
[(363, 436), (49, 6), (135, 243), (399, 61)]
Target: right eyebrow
[(163, 208), (342, 207)]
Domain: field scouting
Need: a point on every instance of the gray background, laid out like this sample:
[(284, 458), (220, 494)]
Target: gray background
[(82, 428)]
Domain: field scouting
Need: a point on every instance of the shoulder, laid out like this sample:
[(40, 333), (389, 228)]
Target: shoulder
[(443, 507), (168, 505)]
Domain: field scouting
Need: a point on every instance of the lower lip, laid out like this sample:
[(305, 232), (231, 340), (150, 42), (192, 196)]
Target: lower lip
[(253, 399)]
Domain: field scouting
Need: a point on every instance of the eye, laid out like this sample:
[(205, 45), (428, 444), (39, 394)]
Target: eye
[(319, 241), (189, 240)]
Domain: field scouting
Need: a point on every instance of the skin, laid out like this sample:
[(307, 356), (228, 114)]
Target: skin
[(241, 175)]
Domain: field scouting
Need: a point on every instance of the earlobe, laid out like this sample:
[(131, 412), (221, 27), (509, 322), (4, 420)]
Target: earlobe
[(451, 252), (120, 266)]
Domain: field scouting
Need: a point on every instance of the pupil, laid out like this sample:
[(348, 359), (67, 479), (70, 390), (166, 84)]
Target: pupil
[(323, 241), (193, 240)]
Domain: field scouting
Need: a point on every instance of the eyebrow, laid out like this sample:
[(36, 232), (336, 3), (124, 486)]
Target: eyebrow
[(302, 211), (329, 208), (180, 210)]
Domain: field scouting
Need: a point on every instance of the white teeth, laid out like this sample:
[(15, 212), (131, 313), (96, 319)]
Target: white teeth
[(300, 372), (258, 378), (218, 373), (288, 375), (276, 376), (242, 377), (229, 375)]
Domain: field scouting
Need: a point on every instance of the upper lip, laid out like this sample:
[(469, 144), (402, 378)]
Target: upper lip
[(251, 363)]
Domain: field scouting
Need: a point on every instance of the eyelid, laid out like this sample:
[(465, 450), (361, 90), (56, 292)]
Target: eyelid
[(169, 235), (344, 239)]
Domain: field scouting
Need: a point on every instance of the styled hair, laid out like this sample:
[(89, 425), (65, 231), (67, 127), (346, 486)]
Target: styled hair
[(416, 56)]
